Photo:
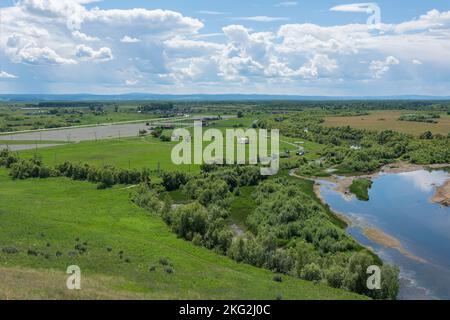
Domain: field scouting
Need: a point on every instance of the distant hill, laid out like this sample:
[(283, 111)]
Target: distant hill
[(199, 97)]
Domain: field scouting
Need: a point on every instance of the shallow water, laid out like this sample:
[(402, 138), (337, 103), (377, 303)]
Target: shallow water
[(400, 206)]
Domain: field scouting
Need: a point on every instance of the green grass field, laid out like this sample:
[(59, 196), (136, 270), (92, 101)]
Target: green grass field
[(54, 215), (136, 152), (124, 153)]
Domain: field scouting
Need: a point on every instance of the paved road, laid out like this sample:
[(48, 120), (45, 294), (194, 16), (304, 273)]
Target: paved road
[(19, 147), (103, 131)]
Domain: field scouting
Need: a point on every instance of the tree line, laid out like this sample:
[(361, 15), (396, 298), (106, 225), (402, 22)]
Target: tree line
[(106, 176), (287, 233)]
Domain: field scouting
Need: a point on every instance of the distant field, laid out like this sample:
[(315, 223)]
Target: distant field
[(46, 217), (388, 120)]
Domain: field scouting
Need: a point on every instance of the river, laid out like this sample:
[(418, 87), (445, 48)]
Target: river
[(400, 206)]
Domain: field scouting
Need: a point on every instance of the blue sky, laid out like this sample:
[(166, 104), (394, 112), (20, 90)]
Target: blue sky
[(199, 46)]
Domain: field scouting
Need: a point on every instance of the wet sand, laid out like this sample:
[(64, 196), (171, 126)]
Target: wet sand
[(378, 236)]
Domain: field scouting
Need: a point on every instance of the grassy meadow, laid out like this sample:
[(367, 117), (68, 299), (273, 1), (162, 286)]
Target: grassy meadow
[(57, 222)]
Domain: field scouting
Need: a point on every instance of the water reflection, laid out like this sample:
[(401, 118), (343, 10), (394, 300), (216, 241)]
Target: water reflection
[(400, 206)]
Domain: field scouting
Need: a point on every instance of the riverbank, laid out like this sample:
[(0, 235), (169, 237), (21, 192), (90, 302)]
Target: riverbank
[(442, 195), (343, 184)]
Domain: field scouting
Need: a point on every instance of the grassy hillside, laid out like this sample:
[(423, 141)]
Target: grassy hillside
[(51, 217)]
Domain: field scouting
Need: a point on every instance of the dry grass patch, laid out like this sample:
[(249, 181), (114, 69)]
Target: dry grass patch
[(388, 120)]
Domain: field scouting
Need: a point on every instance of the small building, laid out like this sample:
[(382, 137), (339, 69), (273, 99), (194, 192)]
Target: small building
[(355, 147)]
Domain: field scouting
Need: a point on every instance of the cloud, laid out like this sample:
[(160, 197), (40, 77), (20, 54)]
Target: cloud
[(6, 75), (262, 19), (87, 53), (127, 39), (433, 19), (129, 82), (354, 7), (311, 38), (378, 68), (84, 37), (209, 12), (56, 41), (287, 4), (181, 47), (22, 50), (315, 65)]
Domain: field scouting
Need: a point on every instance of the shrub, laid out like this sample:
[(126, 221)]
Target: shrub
[(148, 199), (32, 252), (173, 180), (190, 219), (10, 250), (164, 261), (277, 278), (7, 158), (169, 269), (81, 248), (335, 276), (311, 272)]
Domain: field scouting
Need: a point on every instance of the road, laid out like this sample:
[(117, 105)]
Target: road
[(98, 132)]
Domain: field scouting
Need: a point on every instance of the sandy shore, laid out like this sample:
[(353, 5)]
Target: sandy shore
[(388, 241), (442, 195)]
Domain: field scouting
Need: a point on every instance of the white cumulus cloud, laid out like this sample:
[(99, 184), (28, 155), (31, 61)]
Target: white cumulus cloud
[(6, 75), (378, 68), (87, 53)]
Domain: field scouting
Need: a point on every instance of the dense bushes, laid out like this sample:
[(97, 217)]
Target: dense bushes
[(194, 222), (173, 180), (288, 232), (31, 168), (7, 158), (292, 234), (106, 176)]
